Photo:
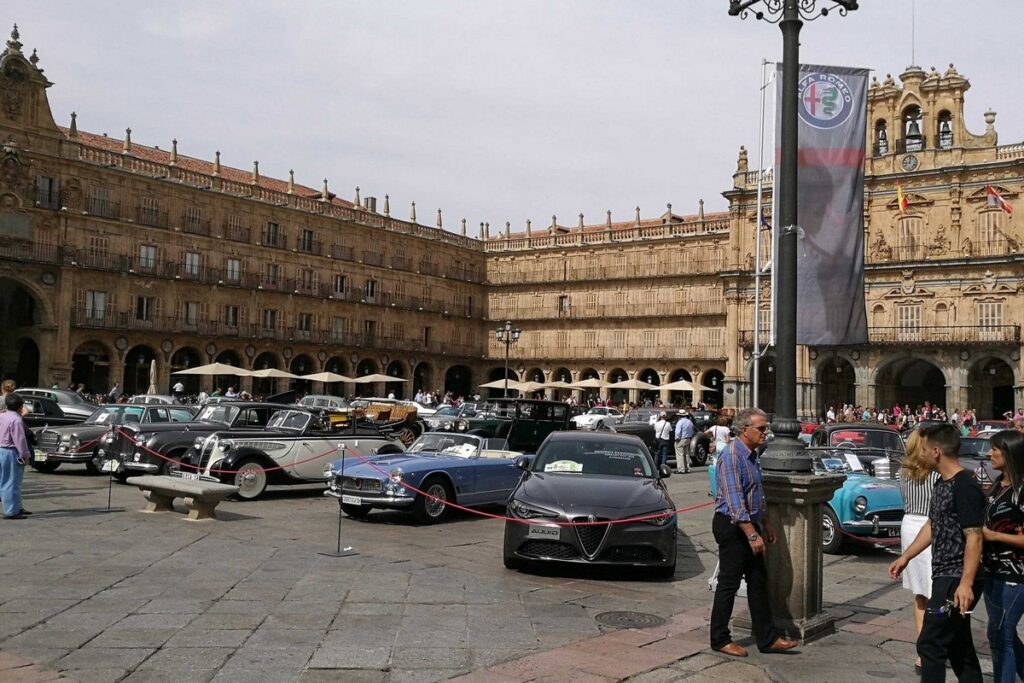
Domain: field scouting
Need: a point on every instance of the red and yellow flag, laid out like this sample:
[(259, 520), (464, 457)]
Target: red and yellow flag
[(901, 199), (996, 199)]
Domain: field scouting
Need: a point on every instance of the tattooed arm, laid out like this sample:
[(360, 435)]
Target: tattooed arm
[(964, 596)]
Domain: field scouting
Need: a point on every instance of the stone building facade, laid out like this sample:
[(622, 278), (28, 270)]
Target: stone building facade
[(116, 254)]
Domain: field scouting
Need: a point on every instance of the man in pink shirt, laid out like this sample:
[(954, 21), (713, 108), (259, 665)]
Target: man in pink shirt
[(14, 455)]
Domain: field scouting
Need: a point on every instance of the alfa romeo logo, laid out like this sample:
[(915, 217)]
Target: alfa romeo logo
[(825, 101)]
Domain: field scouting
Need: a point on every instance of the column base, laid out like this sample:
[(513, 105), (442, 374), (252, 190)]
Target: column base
[(802, 630)]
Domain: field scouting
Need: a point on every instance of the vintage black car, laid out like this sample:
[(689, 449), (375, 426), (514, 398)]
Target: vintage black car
[(72, 404), (524, 423), (573, 493), (445, 417), (78, 444), (877, 446), (133, 445), (294, 448), (640, 423), (44, 411)]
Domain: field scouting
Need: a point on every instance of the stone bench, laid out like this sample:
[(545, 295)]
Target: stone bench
[(201, 497)]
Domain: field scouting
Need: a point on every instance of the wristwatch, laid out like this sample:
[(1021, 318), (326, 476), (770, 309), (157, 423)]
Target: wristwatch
[(753, 537)]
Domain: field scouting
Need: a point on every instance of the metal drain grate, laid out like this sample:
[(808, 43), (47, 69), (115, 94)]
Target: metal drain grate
[(629, 619)]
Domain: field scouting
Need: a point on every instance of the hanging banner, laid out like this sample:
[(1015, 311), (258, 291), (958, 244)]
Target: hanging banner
[(832, 113)]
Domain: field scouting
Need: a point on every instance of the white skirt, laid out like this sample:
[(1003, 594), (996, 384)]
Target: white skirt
[(917, 577)]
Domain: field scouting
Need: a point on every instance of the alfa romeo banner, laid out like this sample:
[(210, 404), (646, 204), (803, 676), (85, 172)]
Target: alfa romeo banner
[(830, 180)]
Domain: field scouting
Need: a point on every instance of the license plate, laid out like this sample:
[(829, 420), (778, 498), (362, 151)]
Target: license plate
[(191, 476), (547, 533), (351, 500), (39, 456)]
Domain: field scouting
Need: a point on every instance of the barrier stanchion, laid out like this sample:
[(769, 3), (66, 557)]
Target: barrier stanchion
[(109, 466), (339, 551)]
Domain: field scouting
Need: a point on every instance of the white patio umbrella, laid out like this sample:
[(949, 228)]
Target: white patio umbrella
[(680, 385), (327, 377), (500, 384), (271, 372), (559, 385), (377, 377), (152, 377), (633, 384), (217, 369), (530, 387), (592, 383)]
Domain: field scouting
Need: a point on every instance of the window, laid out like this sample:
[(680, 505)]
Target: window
[(339, 284), (307, 241), (590, 339), (149, 211), (908, 322), (765, 324), (619, 339), (649, 339), (308, 279), (193, 220), (370, 330), (305, 324), (339, 329), (945, 132), (426, 336), (371, 290), (231, 315), (147, 257), (272, 274), (95, 305), (272, 235), (47, 192), (990, 319), (190, 312), (563, 303), (233, 272), (269, 319), (990, 232), (909, 237), (469, 305), (100, 203), (192, 264), (145, 307)]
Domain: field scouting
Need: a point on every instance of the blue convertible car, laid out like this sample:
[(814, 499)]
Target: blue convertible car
[(864, 509), (466, 469)]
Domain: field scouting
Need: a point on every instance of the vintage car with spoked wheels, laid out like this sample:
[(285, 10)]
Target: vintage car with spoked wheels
[(78, 444), (592, 498), (293, 449), (439, 467)]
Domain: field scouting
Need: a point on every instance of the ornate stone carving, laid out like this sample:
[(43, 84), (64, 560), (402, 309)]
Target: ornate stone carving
[(15, 78), (880, 249), (967, 246), (941, 243), (71, 195)]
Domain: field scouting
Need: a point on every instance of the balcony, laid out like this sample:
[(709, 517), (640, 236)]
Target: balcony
[(236, 233), (924, 335), (274, 238), (373, 258), (104, 208), (152, 217), (99, 260), (694, 307), (307, 246), (194, 225), (906, 145), (340, 251), (32, 252), (47, 198), (610, 353)]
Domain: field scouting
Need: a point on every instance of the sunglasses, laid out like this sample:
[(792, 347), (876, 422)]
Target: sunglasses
[(762, 428)]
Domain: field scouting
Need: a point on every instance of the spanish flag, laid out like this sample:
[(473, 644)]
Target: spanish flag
[(996, 199), (901, 199)]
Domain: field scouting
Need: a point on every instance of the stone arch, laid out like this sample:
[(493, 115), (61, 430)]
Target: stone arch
[(651, 376), (423, 377), (458, 380), (765, 384), (137, 364), (497, 374), (23, 311), (836, 376), (878, 315), (911, 379), (27, 373), (534, 374), (184, 358), (338, 366), (228, 357), (395, 369), (367, 366), (589, 373), (90, 366), (991, 380), (617, 395), (715, 379), (683, 398), (302, 364), (265, 386)]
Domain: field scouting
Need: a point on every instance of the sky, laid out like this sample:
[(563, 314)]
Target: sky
[(492, 110)]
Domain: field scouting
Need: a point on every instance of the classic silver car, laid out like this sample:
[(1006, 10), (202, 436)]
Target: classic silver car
[(293, 449)]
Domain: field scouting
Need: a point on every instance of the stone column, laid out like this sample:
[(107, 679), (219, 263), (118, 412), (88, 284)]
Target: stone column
[(795, 561)]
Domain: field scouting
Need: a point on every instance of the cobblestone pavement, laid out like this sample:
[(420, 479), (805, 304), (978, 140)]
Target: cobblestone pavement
[(90, 596)]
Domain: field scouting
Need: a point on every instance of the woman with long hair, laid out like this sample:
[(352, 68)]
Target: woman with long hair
[(916, 483), (1003, 556)]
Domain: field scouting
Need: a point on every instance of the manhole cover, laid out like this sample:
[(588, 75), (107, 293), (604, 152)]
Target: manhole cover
[(629, 619)]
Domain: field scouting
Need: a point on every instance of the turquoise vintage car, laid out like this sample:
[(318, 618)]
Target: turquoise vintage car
[(864, 509)]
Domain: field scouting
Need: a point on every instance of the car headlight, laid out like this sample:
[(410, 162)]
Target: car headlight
[(396, 474), (461, 425), (74, 443), (661, 518), (329, 471), (530, 511), (198, 443), (109, 438), (860, 504)]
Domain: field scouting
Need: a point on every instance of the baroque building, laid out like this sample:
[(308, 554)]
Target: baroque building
[(117, 255)]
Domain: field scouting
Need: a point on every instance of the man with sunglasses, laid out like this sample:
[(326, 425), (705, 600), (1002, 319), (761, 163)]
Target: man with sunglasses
[(741, 517), (954, 532)]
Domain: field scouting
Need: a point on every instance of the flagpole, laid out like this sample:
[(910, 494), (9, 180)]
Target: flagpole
[(757, 248)]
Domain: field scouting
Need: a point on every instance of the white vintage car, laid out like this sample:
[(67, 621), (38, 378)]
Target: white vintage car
[(292, 449), (598, 418)]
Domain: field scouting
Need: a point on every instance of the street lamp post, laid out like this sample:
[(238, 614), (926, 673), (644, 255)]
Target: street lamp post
[(509, 335), (795, 496)]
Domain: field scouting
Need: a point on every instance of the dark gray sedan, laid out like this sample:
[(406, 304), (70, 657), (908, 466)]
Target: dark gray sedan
[(573, 492)]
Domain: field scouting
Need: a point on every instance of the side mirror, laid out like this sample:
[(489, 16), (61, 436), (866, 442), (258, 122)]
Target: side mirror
[(665, 471), (523, 463)]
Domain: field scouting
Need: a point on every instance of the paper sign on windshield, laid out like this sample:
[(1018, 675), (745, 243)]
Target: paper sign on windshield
[(564, 466)]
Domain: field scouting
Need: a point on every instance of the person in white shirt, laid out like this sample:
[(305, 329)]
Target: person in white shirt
[(231, 393), (178, 389), (202, 396), (663, 437), (391, 396)]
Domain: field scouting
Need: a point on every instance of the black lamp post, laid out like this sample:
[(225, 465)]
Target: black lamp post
[(509, 335), (786, 453)]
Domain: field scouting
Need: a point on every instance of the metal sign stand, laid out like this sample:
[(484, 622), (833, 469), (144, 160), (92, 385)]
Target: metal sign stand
[(109, 466), (339, 551)]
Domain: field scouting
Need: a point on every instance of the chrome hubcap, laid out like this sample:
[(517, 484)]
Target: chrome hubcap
[(435, 505), (250, 480), (828, 532)]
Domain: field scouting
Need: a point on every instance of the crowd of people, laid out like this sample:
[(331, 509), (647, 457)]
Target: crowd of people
[(906, 418)]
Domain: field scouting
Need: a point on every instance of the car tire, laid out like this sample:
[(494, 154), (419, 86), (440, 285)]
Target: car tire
[(91, 467), (831, 532), (173, 461), (122, 476), (700, 455), (664, 573), (429, 511), (355, 511), (45, 467), (250, 479)]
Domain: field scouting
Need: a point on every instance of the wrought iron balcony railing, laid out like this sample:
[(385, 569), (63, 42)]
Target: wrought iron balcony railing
[(924, 335)]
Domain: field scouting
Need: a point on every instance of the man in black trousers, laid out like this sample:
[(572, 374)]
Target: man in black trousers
[(741, 517), (954, 531)]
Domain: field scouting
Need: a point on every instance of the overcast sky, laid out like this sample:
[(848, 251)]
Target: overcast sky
[(492, 110)]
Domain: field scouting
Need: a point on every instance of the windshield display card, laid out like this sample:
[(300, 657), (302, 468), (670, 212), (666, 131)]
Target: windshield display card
[(564, 466)]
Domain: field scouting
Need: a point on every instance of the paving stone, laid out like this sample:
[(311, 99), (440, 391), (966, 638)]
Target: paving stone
[(347, 676), (213, 638), (217, 620), (275, 638), (422, 675), (345, 656), (105, 658), (188, 658), (132, 638), (429, 658)]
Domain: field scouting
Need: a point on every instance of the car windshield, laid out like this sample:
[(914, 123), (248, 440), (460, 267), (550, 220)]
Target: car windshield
[(975, 447), (841, 462), (219, 412), (597, 411), (886, 439), (461, 445), (289, 419), (447, 410), (614, 459), (116, 415)]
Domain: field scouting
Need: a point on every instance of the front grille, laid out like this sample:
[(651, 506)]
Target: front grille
[(551, 549), (361, 484), (590, 535), (47, 441), (885, 516), (632, 553)]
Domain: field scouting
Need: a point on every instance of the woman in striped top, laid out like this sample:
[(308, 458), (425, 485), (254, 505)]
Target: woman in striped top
[(916, 484)]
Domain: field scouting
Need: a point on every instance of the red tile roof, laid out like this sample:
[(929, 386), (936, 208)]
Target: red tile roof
[(163, 156)]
